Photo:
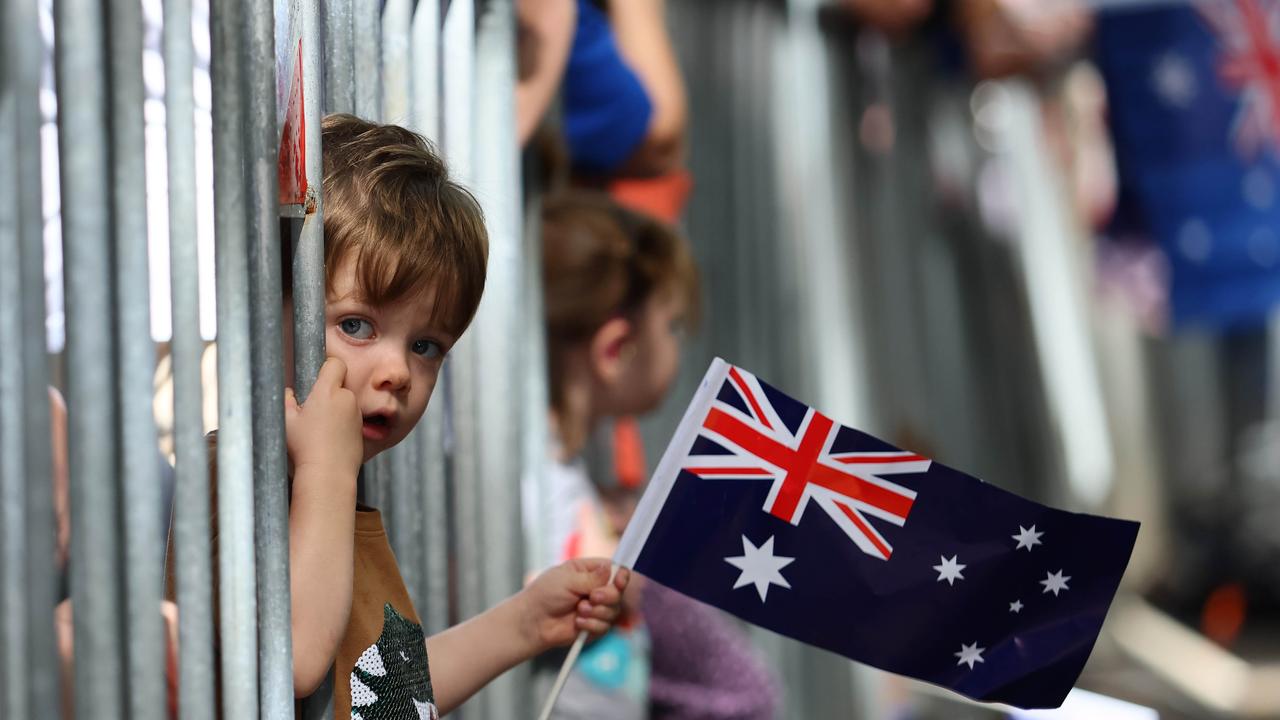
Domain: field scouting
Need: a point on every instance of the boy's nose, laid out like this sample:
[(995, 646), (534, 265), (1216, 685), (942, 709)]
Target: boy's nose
[(392, 372)]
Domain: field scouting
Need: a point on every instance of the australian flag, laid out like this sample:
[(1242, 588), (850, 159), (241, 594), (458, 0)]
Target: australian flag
[(1193, 91), (768, 509)]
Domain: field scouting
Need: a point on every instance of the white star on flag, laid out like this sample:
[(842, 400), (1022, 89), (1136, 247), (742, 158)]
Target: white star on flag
[(1053, 582), (760, 567), (949, 570), (1174, 80), (1027, 538), (1015, 606), (969, 654)]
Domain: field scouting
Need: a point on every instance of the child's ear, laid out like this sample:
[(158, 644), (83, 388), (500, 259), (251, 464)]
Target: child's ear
[(608, 359)]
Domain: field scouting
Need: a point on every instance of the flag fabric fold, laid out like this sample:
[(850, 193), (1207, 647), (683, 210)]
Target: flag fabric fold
[(772, 511)]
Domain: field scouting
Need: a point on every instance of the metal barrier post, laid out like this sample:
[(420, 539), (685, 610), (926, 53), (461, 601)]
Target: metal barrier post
[(25, 49), (427, 46), (498, 329), (13, 526), (397, 62), (93, 414), (135, 352), (339, 57), (271, 494), (367, 61), (191, 546), (308, 257), (236, 582)]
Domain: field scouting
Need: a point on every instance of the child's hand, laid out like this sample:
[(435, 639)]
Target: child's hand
[(325, 431), (571, 597)]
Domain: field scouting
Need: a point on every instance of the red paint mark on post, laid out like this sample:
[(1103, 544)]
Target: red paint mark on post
[(292, 164)]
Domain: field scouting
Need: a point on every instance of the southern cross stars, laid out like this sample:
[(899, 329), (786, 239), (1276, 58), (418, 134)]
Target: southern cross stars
[(1053, 582), (970, 654), (1027, 538), (949, 570), (1015, 606), (760, 567)]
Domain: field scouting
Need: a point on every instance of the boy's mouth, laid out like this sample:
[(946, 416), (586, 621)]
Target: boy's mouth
[(377, 426)]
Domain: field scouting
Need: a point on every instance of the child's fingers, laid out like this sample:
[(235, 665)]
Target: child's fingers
[(622, 579), (290, 400), (607, 613), (587, 574), (605, 595), (591, 625), (332, 373), (594, 565)]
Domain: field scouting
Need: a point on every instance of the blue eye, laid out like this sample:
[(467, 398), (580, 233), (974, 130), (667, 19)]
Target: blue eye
[(357, 328), (429, 349)]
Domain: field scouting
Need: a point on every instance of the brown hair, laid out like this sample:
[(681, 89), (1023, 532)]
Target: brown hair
[(600, 261), (390, 206)]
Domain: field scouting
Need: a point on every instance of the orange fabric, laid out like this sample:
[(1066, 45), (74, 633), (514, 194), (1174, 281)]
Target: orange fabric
[(663, 197), (628, 453)]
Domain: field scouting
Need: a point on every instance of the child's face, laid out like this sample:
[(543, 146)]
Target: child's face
[(393, 355), (652, 369)]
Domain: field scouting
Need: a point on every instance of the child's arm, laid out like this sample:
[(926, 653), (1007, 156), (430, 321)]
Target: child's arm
[(548, 26), (547, 613), (326, 448), (644, 43)]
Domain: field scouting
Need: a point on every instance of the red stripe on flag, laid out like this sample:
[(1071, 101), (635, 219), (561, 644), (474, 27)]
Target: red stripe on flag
[(749, 439), (742, 388), (801, 469), (874, 460), (728, 471), (885, 550), (856, 488)]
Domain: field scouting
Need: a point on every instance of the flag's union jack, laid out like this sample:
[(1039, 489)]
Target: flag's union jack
[(1249, 33), (848, 486)]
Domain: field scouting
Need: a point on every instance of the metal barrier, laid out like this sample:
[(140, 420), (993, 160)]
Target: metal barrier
[(378, 62)]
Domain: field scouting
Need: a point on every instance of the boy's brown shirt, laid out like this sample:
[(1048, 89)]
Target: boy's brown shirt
[(381, 669)]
